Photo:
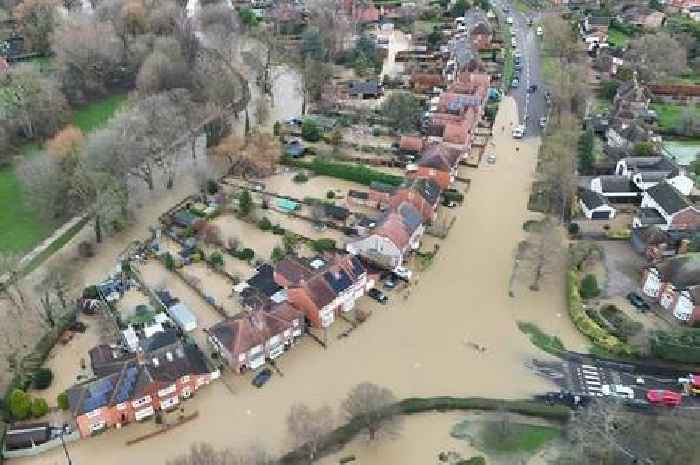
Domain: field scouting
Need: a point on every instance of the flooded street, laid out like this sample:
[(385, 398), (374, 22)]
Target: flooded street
[(416, 347)]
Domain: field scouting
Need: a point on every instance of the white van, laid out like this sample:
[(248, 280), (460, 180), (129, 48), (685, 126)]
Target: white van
[(540, 31), (509, 20), (518, 132)]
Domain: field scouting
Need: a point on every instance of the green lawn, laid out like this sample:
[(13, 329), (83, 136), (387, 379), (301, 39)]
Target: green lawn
[(21, 228), (669, 114), (504, 436), (618, 37)]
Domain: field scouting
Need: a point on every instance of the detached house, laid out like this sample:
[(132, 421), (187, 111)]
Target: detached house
[(248, 339), (134, 388), (324, 287), (646, 172), (595, 206), (397, 233), (675, 284), (664, 206)]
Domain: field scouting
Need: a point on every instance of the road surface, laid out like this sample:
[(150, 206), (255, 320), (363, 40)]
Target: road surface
[(531, 106)]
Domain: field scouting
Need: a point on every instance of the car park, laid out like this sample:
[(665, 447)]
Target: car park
[(638, 302), (378, 295), (664, 397), (262, 377)]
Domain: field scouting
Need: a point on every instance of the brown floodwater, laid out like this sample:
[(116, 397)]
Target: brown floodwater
[(416, 347)]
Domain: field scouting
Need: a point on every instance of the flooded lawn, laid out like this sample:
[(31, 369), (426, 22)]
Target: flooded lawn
[(303, 227), (416, 347), (215, 286), (247, 234), (316, 186)]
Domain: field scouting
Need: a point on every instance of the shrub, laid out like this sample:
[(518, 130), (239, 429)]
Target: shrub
[(277, 254), (245, 203), (39, 408), (246, 254), (217, 259), (86, 249), (310, 131), (62, 401), (278, 230), (681, 346), (276, 128), (300, 178), (90, 292), (330, 195), (42, 378), (573, 229), (453, 196), (589, 287), (350, 172), (587, 326), (19, 404), (212, 187), (264, 224), (169, 261), (323, 245)]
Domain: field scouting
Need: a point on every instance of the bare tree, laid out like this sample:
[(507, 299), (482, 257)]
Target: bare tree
[(10, 275), (308, 427), (543, 250), (657, 56), (164, 69), (36, 19), (374, 407), (205, 454)]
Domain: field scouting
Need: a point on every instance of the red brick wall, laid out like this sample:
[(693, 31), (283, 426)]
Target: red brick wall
[(301, 301), (686, 219)]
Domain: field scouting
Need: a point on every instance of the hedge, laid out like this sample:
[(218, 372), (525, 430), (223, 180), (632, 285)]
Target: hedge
[(342, 435), (529, 408), (683, 346), (587, 326), (355, 173)]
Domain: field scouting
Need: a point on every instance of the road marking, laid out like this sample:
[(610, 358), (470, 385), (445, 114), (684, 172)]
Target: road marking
[(593, 372), (594, 388), (592, 384), (590, 367)]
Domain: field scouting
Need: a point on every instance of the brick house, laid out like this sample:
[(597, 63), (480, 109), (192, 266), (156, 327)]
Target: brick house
[(422, 193), (410, 145), (676, 93), (422, 82), (380, 194), (248, 339), (138, 386), (396, 235), (675, 284), (665, 207), (438, 162), (480, 36), (323, 288)]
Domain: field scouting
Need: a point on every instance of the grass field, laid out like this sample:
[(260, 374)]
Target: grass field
[(505, 436), (618, 38), (21, 228), (670, 114)]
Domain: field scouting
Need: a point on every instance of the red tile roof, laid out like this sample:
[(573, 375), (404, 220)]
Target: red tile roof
[(413, 143)]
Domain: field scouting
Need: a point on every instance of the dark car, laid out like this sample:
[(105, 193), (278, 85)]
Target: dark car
[(532, 89), (262, 377), (637, 301), (378, 295), (389, 283)]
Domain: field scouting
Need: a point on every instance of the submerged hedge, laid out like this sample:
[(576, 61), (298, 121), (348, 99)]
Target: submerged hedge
[(588, 326), (342, 435)]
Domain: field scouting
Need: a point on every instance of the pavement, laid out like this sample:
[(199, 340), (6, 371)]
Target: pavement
[(531, 105)]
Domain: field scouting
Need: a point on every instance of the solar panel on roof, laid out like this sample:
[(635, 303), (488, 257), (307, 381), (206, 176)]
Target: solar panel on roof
[(127, 385)]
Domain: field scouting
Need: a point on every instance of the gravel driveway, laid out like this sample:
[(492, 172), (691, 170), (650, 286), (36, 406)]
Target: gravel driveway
[(623, 266)]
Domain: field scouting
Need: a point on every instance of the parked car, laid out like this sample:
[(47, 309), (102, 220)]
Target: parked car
[(543, 122), (514, 43), (509, 20), (617, 390), (515, 83), (638, 301), (532, 89), (378, 295), (518, 132), (540, 31), (664, 397), (491, 160), (402, 272), (262, 377), (517, 66), (449, 203)]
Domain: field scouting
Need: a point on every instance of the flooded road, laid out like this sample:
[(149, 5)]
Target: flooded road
[(416, 347)]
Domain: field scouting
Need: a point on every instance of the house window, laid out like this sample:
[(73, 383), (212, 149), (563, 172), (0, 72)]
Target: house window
[(94, 413), (186, 393), (167, 391), (144, 413), (141, 402), (170, 402), (185, 379), (98, 426)]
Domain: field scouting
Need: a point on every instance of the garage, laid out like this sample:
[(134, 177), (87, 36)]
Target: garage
[(595, 206), (601, 215)]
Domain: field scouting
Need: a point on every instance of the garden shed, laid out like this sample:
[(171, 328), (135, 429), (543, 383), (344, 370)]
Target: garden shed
[(183, 316)]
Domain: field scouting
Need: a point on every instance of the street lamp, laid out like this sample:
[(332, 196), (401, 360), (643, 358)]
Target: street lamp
[(63, 443)]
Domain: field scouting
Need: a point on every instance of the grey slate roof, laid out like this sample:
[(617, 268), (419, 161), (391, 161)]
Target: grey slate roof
[(591, 199), (617, 185), (668, 198)]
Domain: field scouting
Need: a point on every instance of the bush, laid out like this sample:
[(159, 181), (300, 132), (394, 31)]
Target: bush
[(91, 292), (681, 346), (39, 408), (62, 401), (212, 187), (42, 378), (573, 229), (217, 259), (624, 326), (169, 261), (278, 230), (300, 178), (277, 254), (264, 224), (323, 245), (19, 404), (587, 326), (86, 249), (246, 254), (589, 287), (310, 131), (453, 196)]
